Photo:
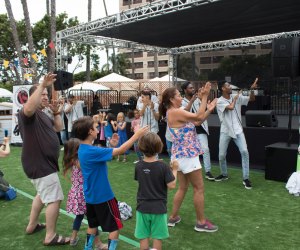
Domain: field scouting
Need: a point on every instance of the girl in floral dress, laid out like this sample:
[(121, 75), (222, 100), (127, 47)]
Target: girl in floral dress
[(76, 201)]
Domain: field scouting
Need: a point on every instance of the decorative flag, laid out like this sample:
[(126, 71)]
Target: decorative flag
[(25, 60), (5, 63), (51, 45), (43, 51), (16, 63), (34, 56)]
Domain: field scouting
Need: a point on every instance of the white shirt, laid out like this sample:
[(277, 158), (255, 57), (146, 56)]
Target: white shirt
[(195, 106), (149, 119), (75, 113), (231, 120), (139, 104)]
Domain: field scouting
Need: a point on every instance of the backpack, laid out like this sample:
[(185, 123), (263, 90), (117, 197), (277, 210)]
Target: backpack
[(8, 191), (125, 210)]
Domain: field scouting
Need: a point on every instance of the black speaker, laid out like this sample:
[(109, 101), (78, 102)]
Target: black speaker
[(64, 80), (285, 57), (281, 161), (261, 118), (115, 108)]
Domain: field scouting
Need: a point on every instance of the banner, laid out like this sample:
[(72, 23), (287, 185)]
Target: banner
[(20, 97)]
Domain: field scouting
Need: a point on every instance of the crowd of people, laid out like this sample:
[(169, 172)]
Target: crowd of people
[(90, 142)]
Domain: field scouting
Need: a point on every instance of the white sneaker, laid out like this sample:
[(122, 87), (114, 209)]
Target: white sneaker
[(136, 161), (62, 149)]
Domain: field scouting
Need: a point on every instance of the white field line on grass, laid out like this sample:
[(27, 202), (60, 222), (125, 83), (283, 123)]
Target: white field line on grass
[(64, 212)]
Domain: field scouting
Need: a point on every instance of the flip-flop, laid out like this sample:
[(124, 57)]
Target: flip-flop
[(57, 241), (38, 228)]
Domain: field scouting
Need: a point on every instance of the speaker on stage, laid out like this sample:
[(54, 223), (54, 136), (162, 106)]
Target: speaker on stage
[(285, 57), (281, 161), (115, 108), (261, 118), (64, 80)]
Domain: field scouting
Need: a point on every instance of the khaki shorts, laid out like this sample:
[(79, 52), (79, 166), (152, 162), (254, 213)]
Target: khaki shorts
[(188, 165), (48, 188)]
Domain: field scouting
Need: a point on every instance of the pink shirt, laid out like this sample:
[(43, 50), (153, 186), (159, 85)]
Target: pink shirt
[(135, 124)]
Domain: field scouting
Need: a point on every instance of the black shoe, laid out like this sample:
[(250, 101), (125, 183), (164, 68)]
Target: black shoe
[(221, 178), (209, 176), (247, 184)]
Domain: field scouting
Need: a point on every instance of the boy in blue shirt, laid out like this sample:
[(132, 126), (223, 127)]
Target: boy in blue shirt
[(102, 206)]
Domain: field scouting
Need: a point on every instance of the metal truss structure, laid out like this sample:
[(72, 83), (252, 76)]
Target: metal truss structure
[(85, 33)]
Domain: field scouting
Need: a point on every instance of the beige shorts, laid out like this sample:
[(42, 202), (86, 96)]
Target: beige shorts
[(188, 165), (48, 188)]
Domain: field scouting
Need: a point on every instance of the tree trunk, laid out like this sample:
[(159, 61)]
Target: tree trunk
[(13, 27), (88, 48), (29, 39), (51, 55), (47, 7)]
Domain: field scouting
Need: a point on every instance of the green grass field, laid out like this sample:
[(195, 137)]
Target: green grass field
[(266, 217)]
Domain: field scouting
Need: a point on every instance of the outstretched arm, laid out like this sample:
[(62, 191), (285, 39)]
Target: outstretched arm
[(34, 100)]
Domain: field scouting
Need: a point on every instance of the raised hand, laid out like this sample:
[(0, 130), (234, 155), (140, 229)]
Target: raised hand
[(49, 79), (206, 89), (114, 140), (212, 104), (142, 131), (254, 84), (54, 106)]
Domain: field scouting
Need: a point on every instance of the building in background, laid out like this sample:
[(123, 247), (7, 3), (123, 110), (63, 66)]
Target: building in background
[(148, 65)]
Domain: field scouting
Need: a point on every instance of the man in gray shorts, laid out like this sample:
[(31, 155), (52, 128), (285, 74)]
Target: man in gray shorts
[(38, 123)]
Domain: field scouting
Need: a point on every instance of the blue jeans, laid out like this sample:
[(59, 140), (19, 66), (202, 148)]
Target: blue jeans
[(206, 155), (63, 136), (240, 142)]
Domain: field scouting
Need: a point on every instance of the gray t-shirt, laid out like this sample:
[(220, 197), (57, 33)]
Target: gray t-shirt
[(153, 178), (40, 149)]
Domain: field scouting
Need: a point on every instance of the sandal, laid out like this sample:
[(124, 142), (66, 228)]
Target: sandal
[(37, 228), (57, 241), (73, 242), (101, 246)]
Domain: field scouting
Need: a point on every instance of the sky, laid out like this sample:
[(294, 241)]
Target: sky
[(37, 9)]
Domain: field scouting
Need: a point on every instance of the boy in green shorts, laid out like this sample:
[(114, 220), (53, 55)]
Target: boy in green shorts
[(154, 178)]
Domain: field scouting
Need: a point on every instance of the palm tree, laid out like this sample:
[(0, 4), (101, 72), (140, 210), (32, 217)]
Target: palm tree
[(15, 38), (51, 55), (29, 37), (88, 49)]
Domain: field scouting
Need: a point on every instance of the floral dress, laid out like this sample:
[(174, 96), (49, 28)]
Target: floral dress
[(185, 143), (76, 201)]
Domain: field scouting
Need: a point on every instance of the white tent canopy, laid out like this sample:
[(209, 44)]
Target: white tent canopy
[(88, 86), (5, 93), (113, 77), (166, 78)]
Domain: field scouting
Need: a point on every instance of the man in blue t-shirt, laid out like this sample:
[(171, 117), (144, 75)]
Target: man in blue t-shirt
[(102, 206)]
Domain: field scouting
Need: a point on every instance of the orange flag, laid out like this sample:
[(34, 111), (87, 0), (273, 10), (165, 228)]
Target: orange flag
[(34, 56), (43, 51)]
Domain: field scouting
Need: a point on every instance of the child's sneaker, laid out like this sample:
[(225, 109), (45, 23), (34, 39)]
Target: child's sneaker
[(206, 227), (173, 221), (73, 242)]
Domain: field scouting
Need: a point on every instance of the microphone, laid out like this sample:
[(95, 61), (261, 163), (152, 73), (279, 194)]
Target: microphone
[(5, 133)]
